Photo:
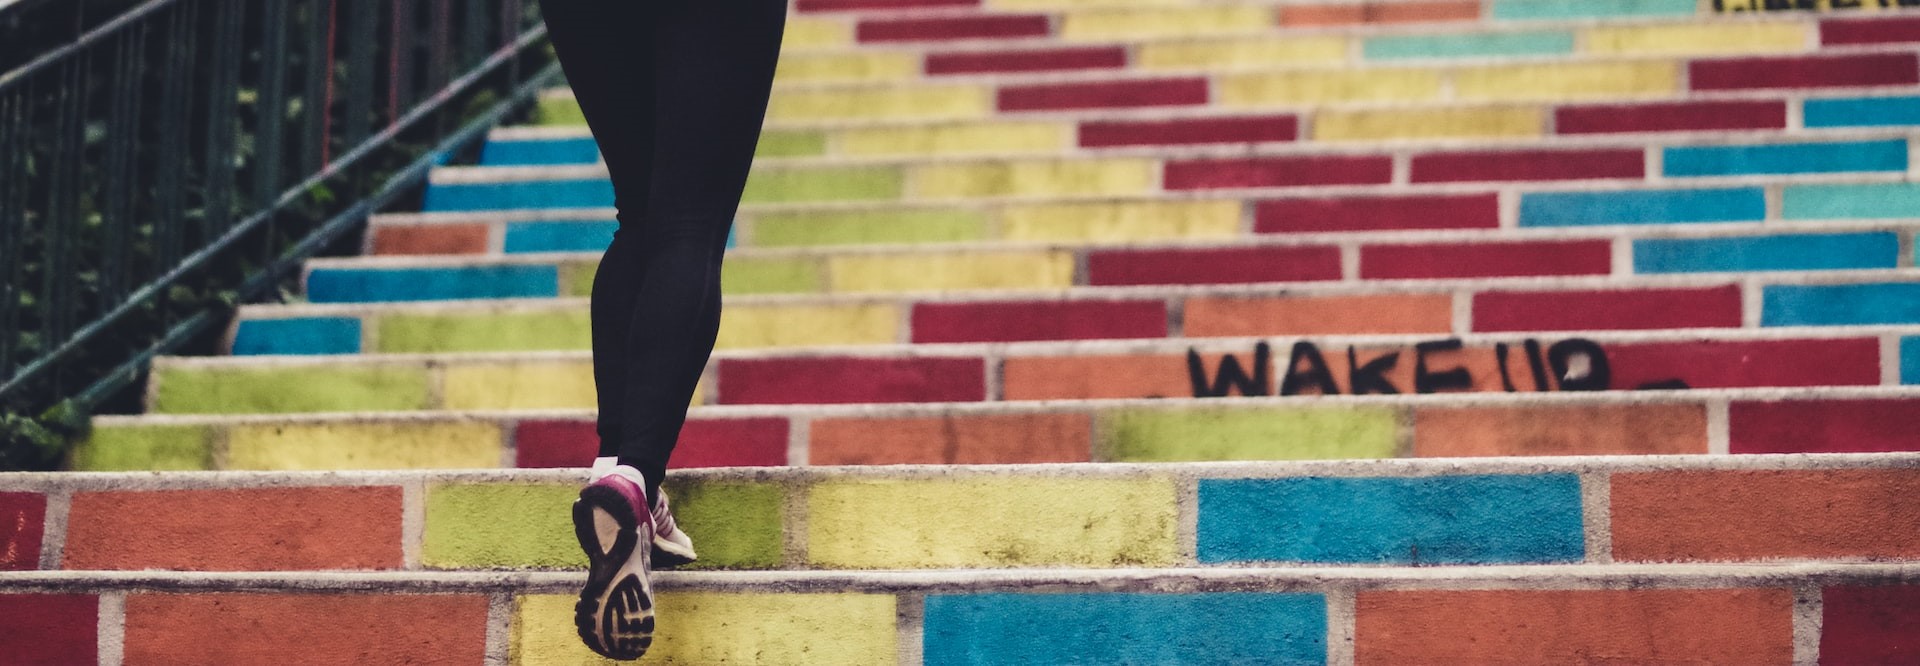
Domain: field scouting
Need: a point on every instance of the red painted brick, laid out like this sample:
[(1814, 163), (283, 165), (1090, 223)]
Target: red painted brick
[(235, 529), (1216, 266), (1249, 129), (856, 5), (851, 380), (1038, 320), (1278, 172), (1441, 211), (50, 629), (1027, 61), (1876, 30), (1616, 310), (1671, 117), (1748, 363), (703, 443), (1823, 426), (1115, 94), (963, 27), (222, 628), (1872, 69), (1870, 625), (22, 526), (1754, 515), (1462, 260), (1528, 165)]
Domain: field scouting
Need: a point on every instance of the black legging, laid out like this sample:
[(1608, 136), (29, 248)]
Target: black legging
[(675, 92)]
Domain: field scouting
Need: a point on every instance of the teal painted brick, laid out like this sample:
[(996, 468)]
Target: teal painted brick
[(297, 336), (1910, 361), (1538, 10), (529, 194), (1401, 47), (1836, 202), (540, 152), (1792, 252), (576, 236), (1568, 209), (1832, 157), (1840, 304), (1125, 628), (366, 285), (1862, 112)]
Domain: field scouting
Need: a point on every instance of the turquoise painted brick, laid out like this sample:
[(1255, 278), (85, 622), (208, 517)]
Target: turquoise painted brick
[(1910, 360), (1794, 252), (334, 285), (540, 152), (1832, 157), (594, 193), (1837, 202), (1542, 10), (1569, 209), (1125, 628), (1840, 304), (1862, 112), (297, 336), (1469, 45), (1423, 520), (583, 236)]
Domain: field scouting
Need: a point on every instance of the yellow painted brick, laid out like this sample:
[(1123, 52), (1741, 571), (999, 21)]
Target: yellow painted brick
[(953, 270), (1322, 87), (958, 139), (1245, 53), (723, 628), (519, 385), (1428, 123), (804, 325), (1567, 80), (1036, 178), (933, 523), (1126, 221), (958, 102), (331, 446), (805, 33), (1698, 38), (848, 67), (1031, 5), (1165, 22)]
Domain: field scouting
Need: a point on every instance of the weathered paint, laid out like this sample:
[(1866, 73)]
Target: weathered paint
[(142, 448), (1718, 626), (522, 384), (723, 628), (1749, 515), (951, 440), (484, 331), (297, 336), (288, 628), (991, 522), (1248, 434), (268, 390), (1567, 81), (235, 529), (1116, 627), (1651, 429), (360, 445)]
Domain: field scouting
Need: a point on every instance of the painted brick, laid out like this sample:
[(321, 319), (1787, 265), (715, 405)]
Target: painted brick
[(1670, 116), (1440, 211), (501, 525), (1560, 430), (1116, 627), (952, 440), (1910, 360), (233, 628), (724, 628), (853, 228), (1468, 45), (1457, 260), (802, 325), (844, 67), (1829, 202), (1131, 24), (1411, 521), (816, 33), (1544, 10), (1870, 625), (952, 271), (1862, 112), (373, 285), (50, 628), (1107, 222), (859, 183), (1318, 87), (1243, 53), (235, 529), (991, 523), (1273, 433), (430, 239), (1460, 166), (982, 138), (1743, 363), (264, 390), (1246, 129), (1429, 123), (1635, 309), (851, 380), (1822, 426), (1707, 626), (1278, 172), (1746, 515), (1568, 80), (791, 143), (1785, 252), (1833, 157), (22, 525), (1840, 304), (1096, 376), (364, 445), (1038, 320), (765, 275), (144, 448), (1816, 71), (1378, 12), (519, 195), (1877, 30), (920, 102), (1040, 60), (1048, 178), (1568, 209), (558, 111), (735, 524), (1318, 315), (518, 384), (703, 443), (586, 236), (540, 152), (474, 331), (956, 27), (1698, 38), (1119, 94), (1213, 266), (855, 5), (297, 336)]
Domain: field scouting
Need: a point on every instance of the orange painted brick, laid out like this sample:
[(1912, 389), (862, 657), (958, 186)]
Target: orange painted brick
[(1091, 377), (1378, 12), (1319, 315), (1559, 430), (1740, 515), (953, 440), (431, 239), (254, 529), (1395, 370), (306, 629), (1740, 626)]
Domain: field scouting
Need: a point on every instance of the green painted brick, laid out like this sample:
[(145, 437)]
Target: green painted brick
[(1265, 434), (501, 526), (136, 448), (776, 143), (743, 275), (854, 228), (290, 389), (823, 184), (558, 111), (733, 525), (576, 277), (485, 331)]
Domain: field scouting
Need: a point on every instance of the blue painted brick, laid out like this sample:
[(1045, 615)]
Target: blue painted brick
[(1398, 47), (1569, 209), (1863, 112), (1534, 10), (297, 336), (1910, 360), (1840, 304), (1125, 628), (597, 193), (540, 152), (1832, 157), (1795, 252), (1839, 202), (334, 285), (559, 236), (1424, 520)]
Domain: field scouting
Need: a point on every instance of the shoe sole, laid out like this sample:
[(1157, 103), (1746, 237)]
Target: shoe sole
[(615, 613)]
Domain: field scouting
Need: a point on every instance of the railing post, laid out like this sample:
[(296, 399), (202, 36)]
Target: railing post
[(223, 59), (117, 220), (362, 40)]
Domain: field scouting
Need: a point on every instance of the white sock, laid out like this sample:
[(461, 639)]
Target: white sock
[(611, 465)]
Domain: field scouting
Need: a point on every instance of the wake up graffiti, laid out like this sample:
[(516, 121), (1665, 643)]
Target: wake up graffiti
[(1435, 366)]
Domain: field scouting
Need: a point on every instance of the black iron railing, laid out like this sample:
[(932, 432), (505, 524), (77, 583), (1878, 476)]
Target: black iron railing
[(185, 155)]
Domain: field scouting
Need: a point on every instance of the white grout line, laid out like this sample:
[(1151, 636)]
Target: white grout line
[(1890, 360), (910, 618), (53, 537), (413, 522), (1622, 253), (1719, 426), (499, 628), (1808, 609), (1342, 619), (111, 633), (799, 441), (1187, 520), (1596, 512)]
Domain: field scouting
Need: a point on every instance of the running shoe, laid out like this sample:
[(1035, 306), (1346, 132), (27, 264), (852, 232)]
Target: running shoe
[(671, 547), (615, 612)]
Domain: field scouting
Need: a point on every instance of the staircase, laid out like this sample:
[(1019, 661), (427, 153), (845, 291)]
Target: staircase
[(1120, 331)]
